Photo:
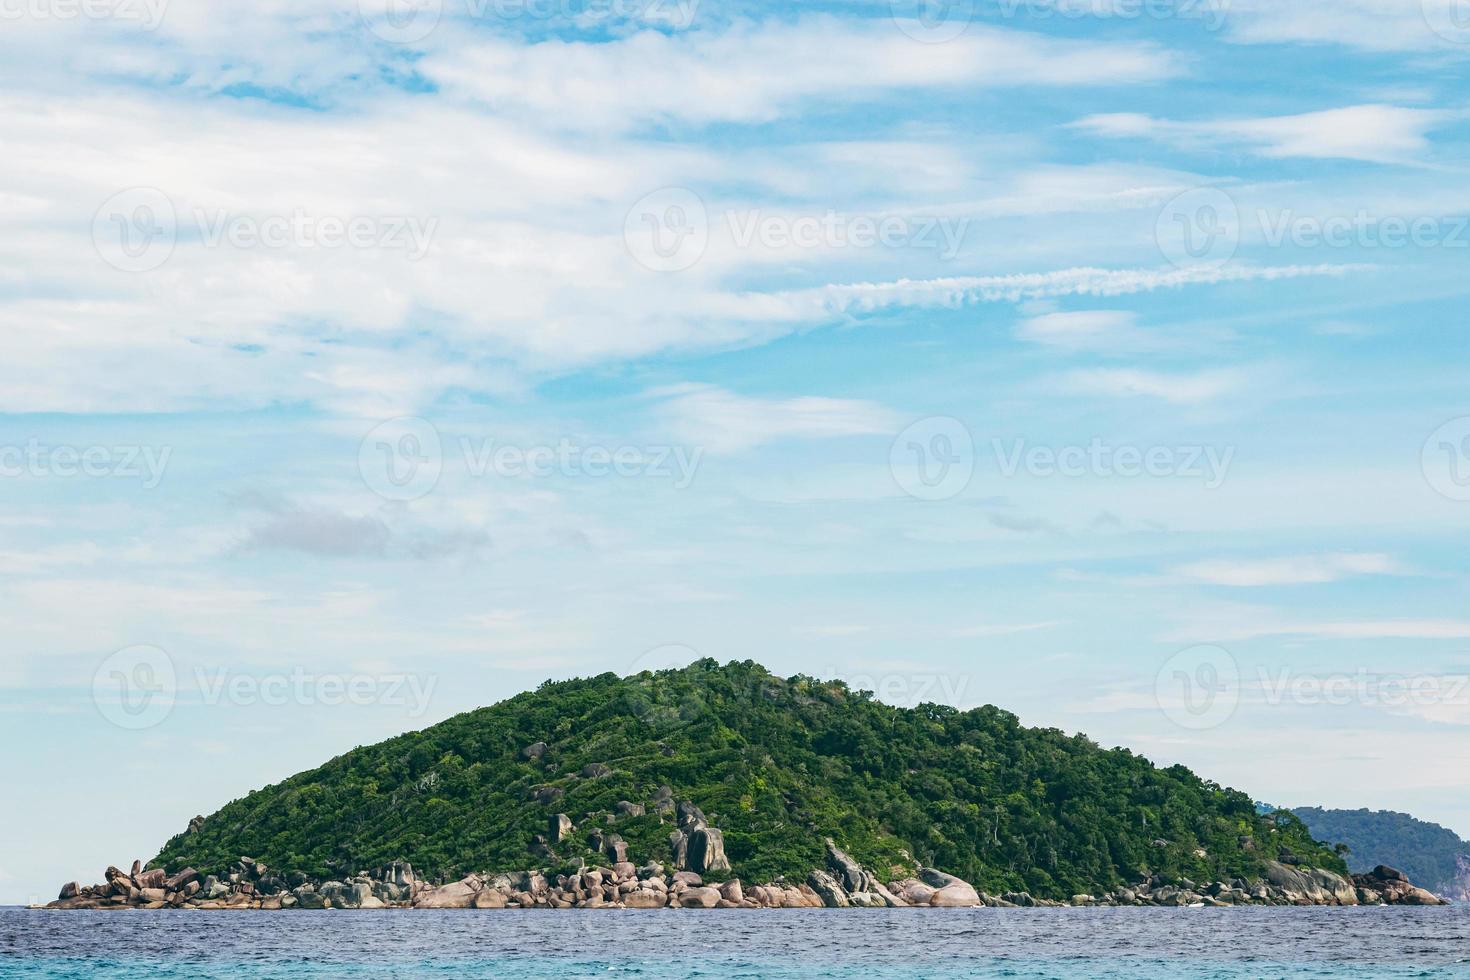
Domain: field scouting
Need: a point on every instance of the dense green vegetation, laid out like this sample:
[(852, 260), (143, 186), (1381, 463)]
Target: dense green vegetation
[(777, 765), (1425, 851)]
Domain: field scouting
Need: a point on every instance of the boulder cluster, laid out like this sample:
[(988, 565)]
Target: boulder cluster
[(1282, 885), (696, 851)]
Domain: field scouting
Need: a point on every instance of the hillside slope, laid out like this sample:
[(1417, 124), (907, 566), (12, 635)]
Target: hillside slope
[(778, 765), (1432, 855)]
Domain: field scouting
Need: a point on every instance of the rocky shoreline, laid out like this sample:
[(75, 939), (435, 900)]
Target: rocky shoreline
[(842, 884), (696, 852)]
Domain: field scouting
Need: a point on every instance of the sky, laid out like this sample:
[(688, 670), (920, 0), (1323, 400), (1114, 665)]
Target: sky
[(365, 363)]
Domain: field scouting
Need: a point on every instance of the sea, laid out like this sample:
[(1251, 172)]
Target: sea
[(796, 944)]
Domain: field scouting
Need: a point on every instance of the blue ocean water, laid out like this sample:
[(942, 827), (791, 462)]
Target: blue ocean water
[(795, 944)]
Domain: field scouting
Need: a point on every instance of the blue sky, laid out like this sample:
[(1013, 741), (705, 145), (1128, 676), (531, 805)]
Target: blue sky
[(1102, 360)]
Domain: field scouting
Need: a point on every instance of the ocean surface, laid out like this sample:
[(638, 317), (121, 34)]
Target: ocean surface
[(1088, 943)]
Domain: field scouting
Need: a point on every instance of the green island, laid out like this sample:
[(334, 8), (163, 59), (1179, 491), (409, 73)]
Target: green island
[(726, 774)]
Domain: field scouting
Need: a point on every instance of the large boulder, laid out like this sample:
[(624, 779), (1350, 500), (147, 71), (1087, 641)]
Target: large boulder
[(949, 891), (559, 827), (646, 899), (490, 898), (913, 891), (848, 872), (456, 895), (707, 850), (691, 816), (833, 895), (699, 898)]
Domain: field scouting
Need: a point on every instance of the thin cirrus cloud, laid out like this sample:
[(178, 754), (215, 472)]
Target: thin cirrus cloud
[(719, 420), (1294, 570), (754, 72), (1181, 388), (1114, 331), (1371, 25), (1372, 133)]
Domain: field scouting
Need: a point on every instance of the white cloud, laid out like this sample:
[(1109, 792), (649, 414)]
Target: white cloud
[(961, 291), (1378, 133), (1001, 629), (719, 420), (1374, 25), (1192, 388), (1299, 570), (753, 72), (1085, 330)]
